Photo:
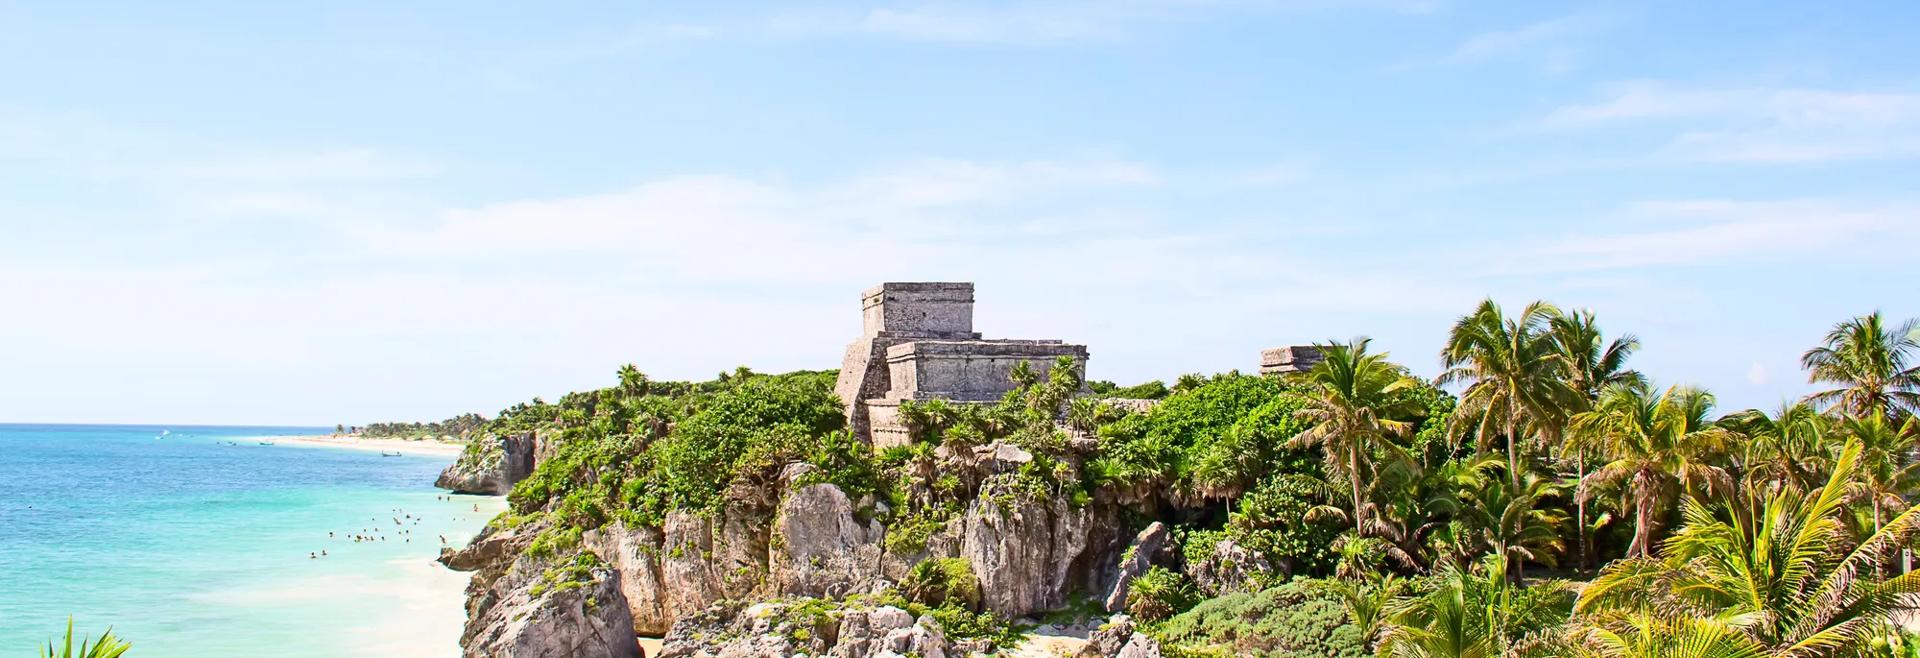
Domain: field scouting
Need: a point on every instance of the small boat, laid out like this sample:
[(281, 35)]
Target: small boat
[(384, 453), (266, 443), (163, 434)]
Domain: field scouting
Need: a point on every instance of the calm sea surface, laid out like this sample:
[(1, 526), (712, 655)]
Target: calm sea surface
[(197, 543)]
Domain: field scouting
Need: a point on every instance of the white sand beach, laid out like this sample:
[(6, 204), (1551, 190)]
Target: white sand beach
[(403, 446)]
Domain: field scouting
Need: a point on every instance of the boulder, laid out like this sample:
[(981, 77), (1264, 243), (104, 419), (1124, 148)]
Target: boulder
[(1230, 567), (782, 629), (538, 619), (1118, 639), (1135, 562)]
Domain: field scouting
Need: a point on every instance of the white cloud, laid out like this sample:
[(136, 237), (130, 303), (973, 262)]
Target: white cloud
[(1758, 125), (1554, 44), (1044, 22), (1700, 232)]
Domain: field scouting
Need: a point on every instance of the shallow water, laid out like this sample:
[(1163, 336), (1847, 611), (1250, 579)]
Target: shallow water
[(191, 547)]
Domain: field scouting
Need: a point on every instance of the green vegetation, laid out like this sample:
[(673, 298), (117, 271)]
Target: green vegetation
[(1369, 511), (942, 582), (1291, 620), (459, 427), (107, 646)]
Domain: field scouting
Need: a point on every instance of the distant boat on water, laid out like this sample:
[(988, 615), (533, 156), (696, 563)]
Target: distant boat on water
[(389, 454), (266, 443), (163, 434)]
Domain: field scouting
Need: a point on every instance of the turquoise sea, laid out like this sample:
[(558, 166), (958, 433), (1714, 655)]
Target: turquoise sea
[(197, 544)]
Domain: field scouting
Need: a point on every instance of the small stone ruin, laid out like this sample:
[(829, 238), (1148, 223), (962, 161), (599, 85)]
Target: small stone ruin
[(918, 343), (1295, 358)]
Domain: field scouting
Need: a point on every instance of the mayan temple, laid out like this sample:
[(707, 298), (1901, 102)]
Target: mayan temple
[(917, 343)]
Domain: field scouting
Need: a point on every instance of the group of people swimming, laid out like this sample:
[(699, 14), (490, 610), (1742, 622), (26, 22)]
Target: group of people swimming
[(375, 533)]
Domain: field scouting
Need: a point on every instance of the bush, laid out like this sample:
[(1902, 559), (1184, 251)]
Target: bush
[(942, 582), (1159, 594), (1292, 620)]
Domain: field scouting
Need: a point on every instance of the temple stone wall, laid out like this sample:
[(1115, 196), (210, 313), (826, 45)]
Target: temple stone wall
[(1295, 358), (918, 343), (970, 371)]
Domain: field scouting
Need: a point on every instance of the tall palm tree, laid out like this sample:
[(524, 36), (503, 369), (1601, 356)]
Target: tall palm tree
[(1787, 448), (1511, 372), (1887, 470), (633, 383), (1658, 447), (1589, 364), (1781, 568), (1872, 365), (1354, 412)]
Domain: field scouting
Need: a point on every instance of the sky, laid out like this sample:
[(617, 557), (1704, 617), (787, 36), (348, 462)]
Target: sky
[(350, 212)]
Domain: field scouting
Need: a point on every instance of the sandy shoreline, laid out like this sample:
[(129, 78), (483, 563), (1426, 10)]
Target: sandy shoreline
[(403, 446)]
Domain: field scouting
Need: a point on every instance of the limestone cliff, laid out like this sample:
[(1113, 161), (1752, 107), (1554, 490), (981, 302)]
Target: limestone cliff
[(490, 466), (1030, 553)]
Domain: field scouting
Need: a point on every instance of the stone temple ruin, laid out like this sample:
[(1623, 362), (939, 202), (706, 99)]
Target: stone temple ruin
[(918, 343), (1295, 358)]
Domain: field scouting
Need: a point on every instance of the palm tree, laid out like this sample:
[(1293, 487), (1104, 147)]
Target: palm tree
[(1787, 448), (1511, 371), (1887, 470), (1354, 412), (1782, 568), (1473, 613), (1515, 521), (1589, 364), (633, 383), (1367, 603), (1872, 365), (1657, 447)]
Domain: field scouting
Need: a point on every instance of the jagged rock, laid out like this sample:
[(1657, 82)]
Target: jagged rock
[(1230, 567), (821, 550), (494, 469), (493, 545), (1022, 547), (1139, 646), (635, 553), (1001, 457), (1106, 641), (1135, 562), (770, 630), (537, 619)]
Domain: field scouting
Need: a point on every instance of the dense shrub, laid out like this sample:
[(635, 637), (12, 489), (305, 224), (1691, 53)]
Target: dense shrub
[(942, 582), (1160, 593), (1291, 620)]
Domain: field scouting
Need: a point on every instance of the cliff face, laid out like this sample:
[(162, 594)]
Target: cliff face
[(1029, 550), (491, 466)]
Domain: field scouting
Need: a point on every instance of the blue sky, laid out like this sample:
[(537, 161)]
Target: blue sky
[(350, 212)]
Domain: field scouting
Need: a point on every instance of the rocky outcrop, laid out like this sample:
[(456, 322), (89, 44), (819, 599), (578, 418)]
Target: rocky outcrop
[(819, 549), (531, 616), (1135, 562), (782, 630), (1118, 639), (1230, 567), (492, 469), (1023, 547)]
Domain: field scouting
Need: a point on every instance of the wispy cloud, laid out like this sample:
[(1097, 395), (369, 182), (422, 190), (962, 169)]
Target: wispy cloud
[(1046, 22), (1555, 45), (1757, 125)]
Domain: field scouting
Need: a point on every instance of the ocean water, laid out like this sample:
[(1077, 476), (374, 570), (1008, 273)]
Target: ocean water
[(188, 546)]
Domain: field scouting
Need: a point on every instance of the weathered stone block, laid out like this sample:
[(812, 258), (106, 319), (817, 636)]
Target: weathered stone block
[(1295, 358), (970, 371), (918, 308)]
